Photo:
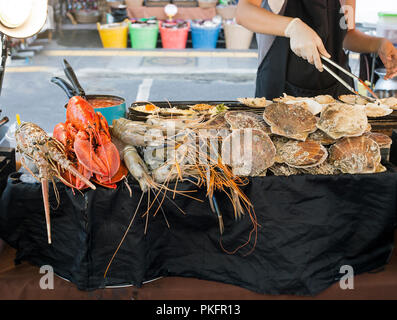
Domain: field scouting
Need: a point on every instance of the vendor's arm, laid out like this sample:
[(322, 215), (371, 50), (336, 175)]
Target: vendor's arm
[(304, 40), (358, 41), (250, 15)]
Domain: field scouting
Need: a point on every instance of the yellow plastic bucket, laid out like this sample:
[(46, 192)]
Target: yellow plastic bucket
[(113, 35)]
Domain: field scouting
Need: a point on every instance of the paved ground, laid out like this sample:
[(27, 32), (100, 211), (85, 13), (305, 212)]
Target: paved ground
[(134, 75), (156, 75)]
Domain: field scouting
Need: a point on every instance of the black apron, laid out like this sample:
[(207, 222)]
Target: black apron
[(282, 71)]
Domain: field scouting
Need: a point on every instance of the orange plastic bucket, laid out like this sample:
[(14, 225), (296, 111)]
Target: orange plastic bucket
[(174, 38)]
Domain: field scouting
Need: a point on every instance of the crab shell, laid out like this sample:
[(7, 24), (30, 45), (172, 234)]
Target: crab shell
[(249, 152), (302, 154), (290, 121), (343, 120), (355, 155)]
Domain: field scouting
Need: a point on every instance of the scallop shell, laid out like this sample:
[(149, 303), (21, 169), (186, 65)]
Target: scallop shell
[(243, 119), (254, 102), (322, 137), (391, 102), (324, 99), (281, 169), (290, 121), (215, 122), (309, 104), (325, 168), (381, 139), (352, 99), (343, 120), (249, 152), (375, 110), (355, 155), (302, 154)]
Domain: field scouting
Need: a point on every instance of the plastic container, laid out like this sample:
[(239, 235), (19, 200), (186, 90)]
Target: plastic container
[(174, 38), (205, 4), (237, 37), (143, 36), (387, 26), (205, 37), (113, 35)]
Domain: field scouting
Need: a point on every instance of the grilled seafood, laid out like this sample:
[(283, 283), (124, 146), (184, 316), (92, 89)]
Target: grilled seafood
[(282, 169), (255, 102), (322, 137), (325, 168), (249, 152), (343, 120), (381, 139), (302, 154), (243, 120), (352, 99), (290, 121), (391, 102), (377, 110), (50, 159), (356, 155)]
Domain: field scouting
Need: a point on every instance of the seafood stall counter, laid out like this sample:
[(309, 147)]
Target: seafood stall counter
[(272, 196)]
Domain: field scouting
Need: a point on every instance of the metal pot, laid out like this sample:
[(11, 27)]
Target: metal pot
[(110, 113), (385, 88)]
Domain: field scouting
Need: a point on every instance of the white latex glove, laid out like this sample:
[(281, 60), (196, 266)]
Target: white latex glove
[(306, 43)]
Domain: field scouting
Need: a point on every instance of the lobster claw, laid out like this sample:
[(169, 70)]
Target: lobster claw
[(103, 160)]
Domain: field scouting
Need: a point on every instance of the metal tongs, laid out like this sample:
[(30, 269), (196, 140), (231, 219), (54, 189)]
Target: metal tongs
[(326, 68)]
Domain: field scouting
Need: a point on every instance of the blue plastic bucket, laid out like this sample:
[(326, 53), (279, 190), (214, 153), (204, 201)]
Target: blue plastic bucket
[(205, 38)]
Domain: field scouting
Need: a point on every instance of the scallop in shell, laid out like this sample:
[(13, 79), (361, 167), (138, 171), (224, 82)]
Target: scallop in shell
[(322, 137), (375, 110), (324, 99), (343, 120), (281, 169), (391, 102), (243, 119), (355, 155), (290, 121), (325, 168), (302, 154), (254, 102), (248, 151), (352, 99), (381, 139)]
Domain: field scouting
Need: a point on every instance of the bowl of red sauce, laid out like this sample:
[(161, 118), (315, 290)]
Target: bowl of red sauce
[(111, 107)]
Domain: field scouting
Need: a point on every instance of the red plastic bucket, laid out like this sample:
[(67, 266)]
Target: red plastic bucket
[(174, 38)]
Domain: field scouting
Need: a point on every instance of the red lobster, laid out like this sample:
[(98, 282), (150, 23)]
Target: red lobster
[(87, 141)]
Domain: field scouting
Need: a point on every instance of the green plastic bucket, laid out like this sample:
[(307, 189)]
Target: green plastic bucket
[(144, 37)]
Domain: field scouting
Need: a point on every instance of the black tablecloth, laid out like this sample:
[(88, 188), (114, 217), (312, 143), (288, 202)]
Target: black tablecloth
[(310, 226)]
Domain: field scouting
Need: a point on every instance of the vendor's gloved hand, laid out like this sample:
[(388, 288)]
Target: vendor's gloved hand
[(306, 43), (388, 54)]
